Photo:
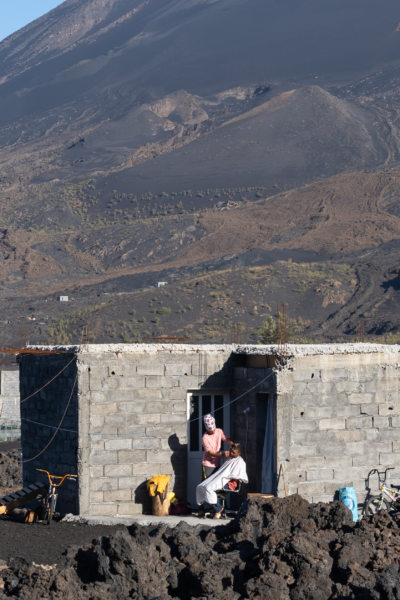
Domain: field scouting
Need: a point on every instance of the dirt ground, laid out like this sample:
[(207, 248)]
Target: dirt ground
[(276, 549), (37, 542), (44, 544), (279, 549)]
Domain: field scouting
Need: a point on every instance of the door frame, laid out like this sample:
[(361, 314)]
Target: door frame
[(194, 457)]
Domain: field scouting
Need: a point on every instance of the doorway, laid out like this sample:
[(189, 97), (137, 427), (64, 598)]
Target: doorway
[(198, 405)]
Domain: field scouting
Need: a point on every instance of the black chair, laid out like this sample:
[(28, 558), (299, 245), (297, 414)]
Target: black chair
[(225, 493)]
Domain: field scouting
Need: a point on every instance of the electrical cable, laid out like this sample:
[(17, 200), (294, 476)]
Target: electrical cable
[(55, 376), (48, 383), (238, 397), (49, 426), (124, 434), (58, 427)]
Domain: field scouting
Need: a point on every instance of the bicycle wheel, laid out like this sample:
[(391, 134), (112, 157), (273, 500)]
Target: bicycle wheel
[(46, 515), (51, 509), (44, 509), (375, 504)]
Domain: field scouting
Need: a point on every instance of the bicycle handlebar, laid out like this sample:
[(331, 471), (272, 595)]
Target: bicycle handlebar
[(61, 477), (381, 475)]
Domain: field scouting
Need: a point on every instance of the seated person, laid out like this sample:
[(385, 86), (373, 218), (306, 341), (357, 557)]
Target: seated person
[(233, 468)]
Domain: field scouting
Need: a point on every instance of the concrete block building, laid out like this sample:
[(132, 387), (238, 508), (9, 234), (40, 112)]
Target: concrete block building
[(118, 414)]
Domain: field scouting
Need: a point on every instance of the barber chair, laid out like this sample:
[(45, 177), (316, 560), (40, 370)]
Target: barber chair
[(232, 486)]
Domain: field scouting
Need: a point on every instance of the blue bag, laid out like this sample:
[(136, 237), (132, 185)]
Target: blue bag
[(347, 495)]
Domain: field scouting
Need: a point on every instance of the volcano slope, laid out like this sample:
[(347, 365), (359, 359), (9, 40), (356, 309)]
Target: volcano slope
[(280, 549), (334, 262), (159, 140)]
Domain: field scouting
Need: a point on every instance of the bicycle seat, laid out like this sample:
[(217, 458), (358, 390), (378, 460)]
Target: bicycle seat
[(394, 486)]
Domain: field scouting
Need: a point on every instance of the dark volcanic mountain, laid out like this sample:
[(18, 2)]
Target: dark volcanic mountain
[(158, 46), (98, 76), (139, 136)]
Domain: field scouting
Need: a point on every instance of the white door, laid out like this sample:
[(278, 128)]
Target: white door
[(198, 405)]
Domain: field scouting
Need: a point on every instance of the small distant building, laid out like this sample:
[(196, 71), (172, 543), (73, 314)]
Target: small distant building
[(62, 298), (10, 418), (160, 284)]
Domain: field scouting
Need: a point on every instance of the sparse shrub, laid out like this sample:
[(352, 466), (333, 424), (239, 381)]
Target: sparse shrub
[(269, 332)]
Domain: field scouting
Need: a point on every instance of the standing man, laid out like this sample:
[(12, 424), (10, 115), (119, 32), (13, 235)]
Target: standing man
[(212, 441)]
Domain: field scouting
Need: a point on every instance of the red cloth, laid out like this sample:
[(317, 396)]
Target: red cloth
[(233, 484), (179, 508)]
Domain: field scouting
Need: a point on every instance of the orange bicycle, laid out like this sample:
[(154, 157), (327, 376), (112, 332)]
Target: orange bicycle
[(50, 500)]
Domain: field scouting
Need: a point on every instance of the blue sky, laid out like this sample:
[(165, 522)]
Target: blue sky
[(14, 14)]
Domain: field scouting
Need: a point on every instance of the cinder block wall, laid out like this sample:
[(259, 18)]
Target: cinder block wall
[(133, 419), (9, 396), (338, 416), (42, 413)]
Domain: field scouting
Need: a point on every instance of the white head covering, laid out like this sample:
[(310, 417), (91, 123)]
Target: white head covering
[(209, 423)]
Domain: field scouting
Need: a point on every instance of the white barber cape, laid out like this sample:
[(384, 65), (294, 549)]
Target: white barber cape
[(234, 468)]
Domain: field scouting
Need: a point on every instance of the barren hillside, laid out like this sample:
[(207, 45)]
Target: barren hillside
[(164, 140)]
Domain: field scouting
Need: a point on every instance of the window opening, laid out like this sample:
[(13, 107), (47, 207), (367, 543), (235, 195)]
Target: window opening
[(193, 423)]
